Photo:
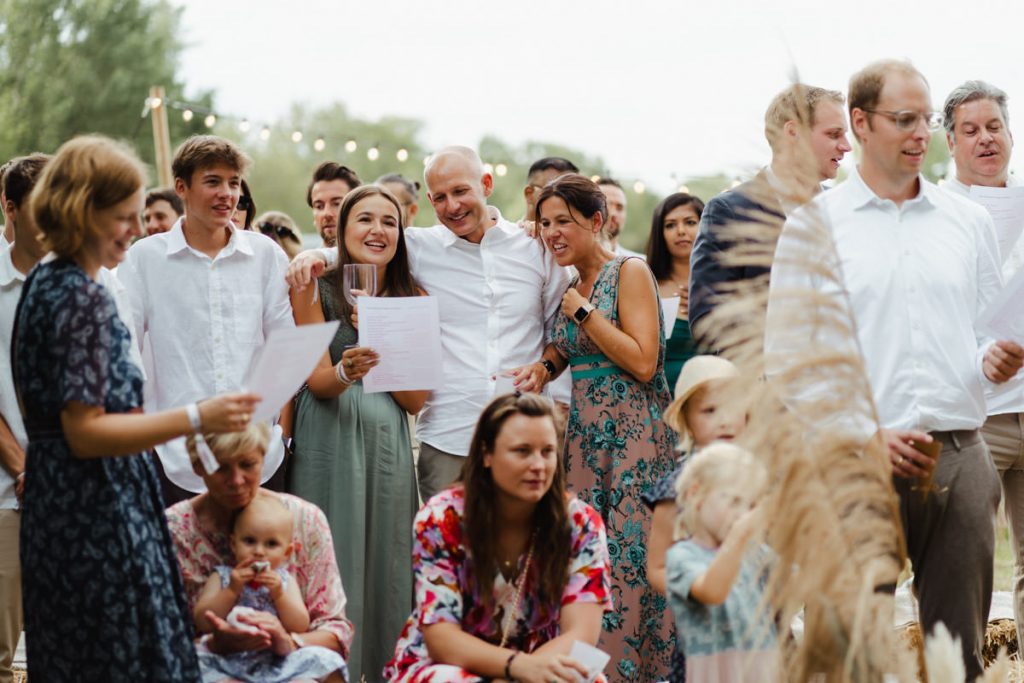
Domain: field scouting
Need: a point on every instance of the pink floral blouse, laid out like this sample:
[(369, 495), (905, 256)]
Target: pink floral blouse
[(200, 549), (443, 568)]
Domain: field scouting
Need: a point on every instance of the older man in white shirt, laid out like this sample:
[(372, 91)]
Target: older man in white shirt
[(204, 296), (919, 265), (978, 135), (498, 292)]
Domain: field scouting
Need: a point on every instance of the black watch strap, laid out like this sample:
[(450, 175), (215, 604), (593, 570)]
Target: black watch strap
[(549, 366)]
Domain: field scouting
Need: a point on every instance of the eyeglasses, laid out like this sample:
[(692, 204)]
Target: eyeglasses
[(282, 231), (907, 120), (244, 203)]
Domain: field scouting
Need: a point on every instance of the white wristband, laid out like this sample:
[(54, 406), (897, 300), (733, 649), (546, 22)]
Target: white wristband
[(339, 371), (192, 409)]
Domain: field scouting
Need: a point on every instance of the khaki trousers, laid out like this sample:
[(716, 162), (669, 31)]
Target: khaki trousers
[(1004, 435), (10, 591)]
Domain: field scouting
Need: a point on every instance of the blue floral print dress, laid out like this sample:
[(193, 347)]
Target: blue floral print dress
[(102, 594), (616, 448)]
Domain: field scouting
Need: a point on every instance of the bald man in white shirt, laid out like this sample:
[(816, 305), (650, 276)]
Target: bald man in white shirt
[(498, 292), (919, 265)]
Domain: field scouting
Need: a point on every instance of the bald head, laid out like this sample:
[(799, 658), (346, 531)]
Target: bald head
[(458, 187), (454, 158)]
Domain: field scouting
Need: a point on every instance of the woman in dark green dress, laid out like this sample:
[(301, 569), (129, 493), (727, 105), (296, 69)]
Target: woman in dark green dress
[(673, 231), (353, 454)]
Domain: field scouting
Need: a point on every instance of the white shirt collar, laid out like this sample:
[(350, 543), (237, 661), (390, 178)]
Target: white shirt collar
[(861, 195), (176, 241), (8, 273)]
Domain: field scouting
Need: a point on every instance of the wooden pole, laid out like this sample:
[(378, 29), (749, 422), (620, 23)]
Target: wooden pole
[(161, 135)]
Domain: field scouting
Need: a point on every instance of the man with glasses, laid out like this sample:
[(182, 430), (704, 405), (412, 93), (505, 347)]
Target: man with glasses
[(919, 265), (978, 135)]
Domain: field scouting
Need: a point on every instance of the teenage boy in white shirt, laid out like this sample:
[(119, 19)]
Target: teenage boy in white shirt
[(204, 296), (498, 292)]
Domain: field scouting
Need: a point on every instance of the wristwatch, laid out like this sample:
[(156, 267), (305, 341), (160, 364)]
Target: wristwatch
[(583, 312), (297, 640), (549, 366)]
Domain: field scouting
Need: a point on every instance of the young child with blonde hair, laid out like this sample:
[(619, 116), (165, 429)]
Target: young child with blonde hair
[(260, 582), (714, 584), (701, 414)]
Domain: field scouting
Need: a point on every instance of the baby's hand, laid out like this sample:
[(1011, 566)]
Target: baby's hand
[(273, 583), (241, 575)]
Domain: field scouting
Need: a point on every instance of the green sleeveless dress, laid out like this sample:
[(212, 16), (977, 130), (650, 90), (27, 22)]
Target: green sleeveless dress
[(353, 459)]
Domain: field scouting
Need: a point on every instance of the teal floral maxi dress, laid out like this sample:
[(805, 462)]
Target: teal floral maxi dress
[(616, 448)]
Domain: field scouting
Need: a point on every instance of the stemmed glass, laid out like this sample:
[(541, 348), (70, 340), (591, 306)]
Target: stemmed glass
[(359, 279)]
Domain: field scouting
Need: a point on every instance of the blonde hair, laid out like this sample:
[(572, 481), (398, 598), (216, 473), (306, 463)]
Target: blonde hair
[(717, 464), (266, 506), (798, 103), (227, 446), (88, 174)]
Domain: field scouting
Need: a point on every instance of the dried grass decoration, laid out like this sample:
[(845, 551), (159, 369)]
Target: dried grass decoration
[(832, 511)]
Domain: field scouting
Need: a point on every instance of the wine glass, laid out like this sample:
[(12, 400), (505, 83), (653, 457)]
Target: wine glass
[(359, 279)]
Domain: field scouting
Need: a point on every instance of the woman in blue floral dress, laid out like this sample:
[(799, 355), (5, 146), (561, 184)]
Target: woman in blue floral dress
[(103, 598), (610, 334)]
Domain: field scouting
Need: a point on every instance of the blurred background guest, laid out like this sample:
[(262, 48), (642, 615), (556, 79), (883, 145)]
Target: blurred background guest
[(673, 231)]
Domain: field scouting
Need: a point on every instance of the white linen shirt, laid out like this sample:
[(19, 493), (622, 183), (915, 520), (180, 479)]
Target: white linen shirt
[(1007, 397), (497, 301), (916, 277), (11, 281), (204, 320)]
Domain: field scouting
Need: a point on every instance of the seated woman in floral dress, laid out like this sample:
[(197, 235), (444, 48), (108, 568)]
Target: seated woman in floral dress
[(510, 570)]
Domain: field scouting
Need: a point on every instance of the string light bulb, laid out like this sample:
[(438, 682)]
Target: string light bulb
[(351, 146), (488, 168), (684, 188), (297, 136), (244, 125), (210, 120), (265, 133), (319, 144), (187, 115), (594, 178), (501, 170), (402, 154), (373, 153), (155, 102), (638, 187)]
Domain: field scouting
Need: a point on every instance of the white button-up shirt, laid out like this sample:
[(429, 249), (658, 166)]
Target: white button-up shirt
[(498, 301), (916, 276), (203, 318), (1007, 397), (11, 281)]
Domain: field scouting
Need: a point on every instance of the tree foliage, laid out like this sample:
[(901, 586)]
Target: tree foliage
[(69, 67)]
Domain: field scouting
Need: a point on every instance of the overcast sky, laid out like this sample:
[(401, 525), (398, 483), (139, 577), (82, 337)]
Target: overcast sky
[(656, 88)]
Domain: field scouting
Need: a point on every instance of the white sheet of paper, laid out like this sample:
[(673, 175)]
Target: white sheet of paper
[(589, 656), (1004, 317), (504, 385), (284, 362), (406, 334), (670, 311), (1006, 206)]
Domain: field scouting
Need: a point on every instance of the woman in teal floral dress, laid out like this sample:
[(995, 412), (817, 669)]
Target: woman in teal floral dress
[(610, 334)]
